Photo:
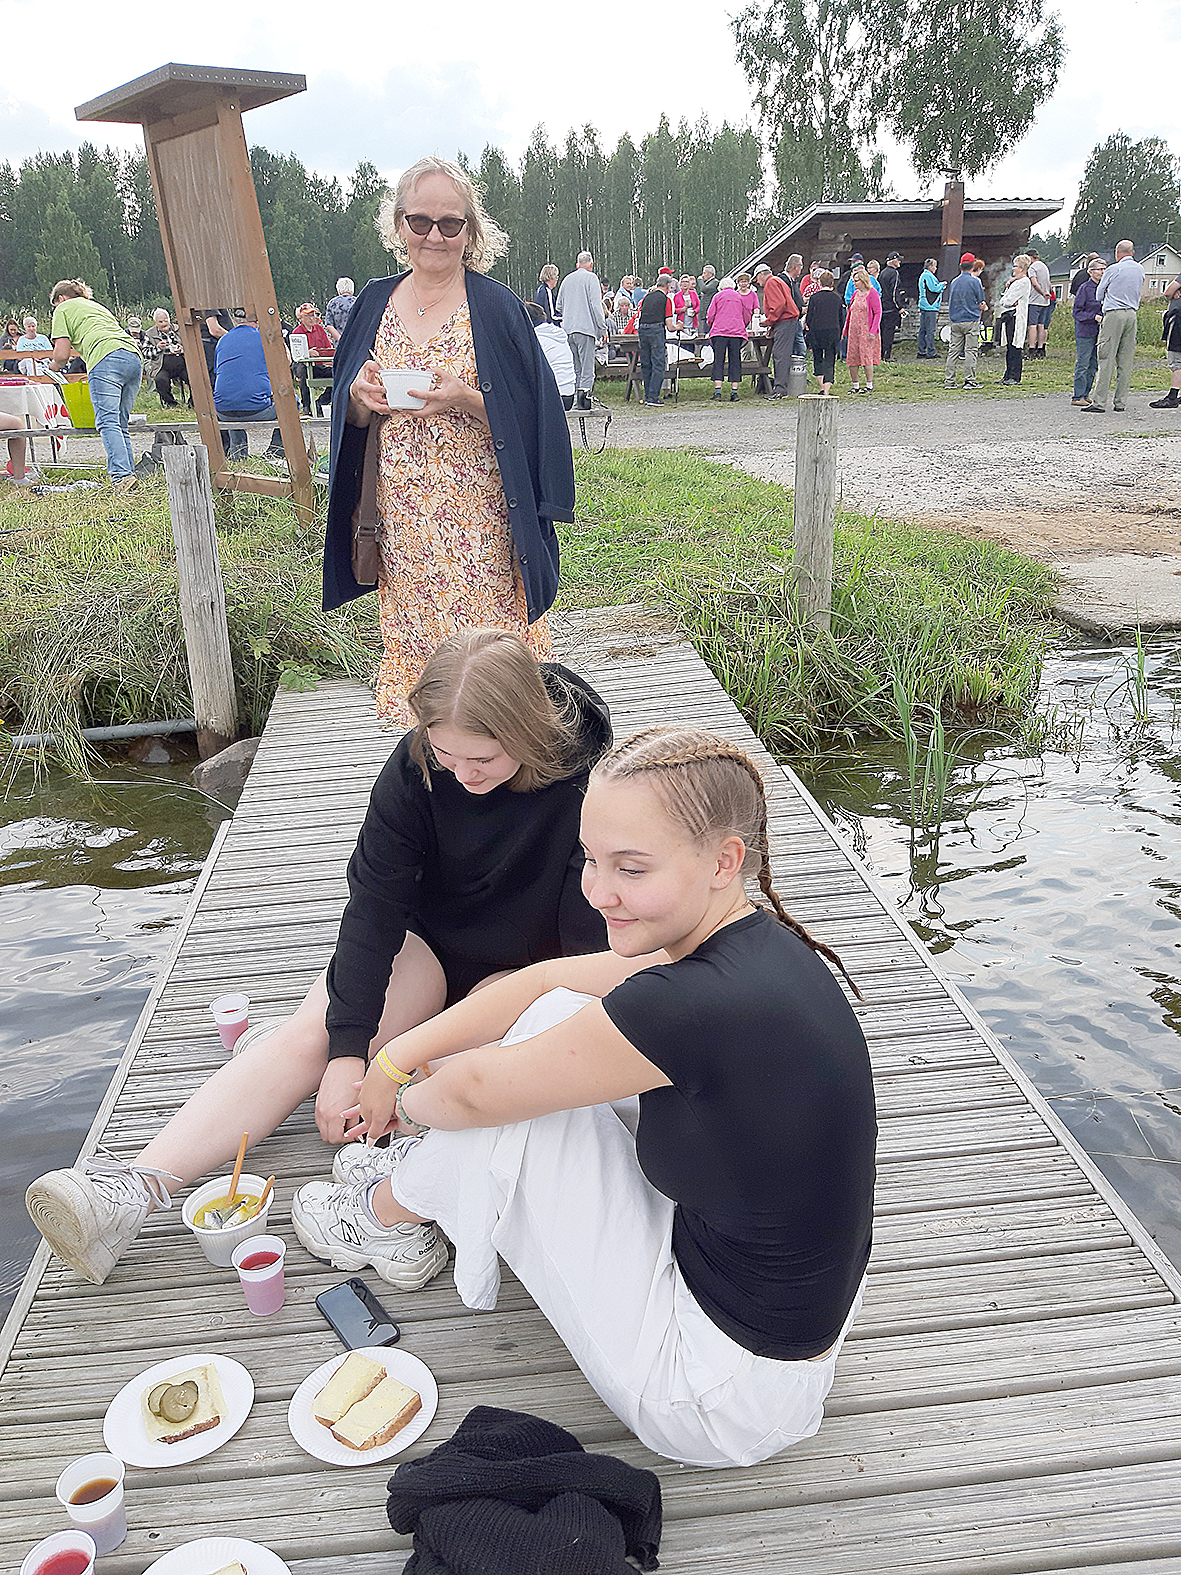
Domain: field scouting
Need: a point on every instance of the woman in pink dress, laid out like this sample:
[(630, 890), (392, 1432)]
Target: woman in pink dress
[(864, 330)]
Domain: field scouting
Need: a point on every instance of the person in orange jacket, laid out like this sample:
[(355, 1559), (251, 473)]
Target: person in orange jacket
[(781, 316)]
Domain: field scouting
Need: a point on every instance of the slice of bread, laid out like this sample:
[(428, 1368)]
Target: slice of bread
[(374, 1420), (207, 1413), (356, 1377), (236, 1568)]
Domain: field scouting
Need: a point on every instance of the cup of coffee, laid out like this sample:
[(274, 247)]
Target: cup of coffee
[(231, 1013), (259, 1262), (91, 1493), (399, 380), (64, 1553)]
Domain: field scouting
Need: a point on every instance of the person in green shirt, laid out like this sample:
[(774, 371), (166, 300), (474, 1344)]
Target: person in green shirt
[(82, 327)]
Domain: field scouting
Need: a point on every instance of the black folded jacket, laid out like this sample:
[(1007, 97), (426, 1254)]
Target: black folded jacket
[(511, 1494)]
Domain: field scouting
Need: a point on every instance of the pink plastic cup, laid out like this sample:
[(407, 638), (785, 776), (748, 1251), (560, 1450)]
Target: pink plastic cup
[(261, 1285), (231, 1013)]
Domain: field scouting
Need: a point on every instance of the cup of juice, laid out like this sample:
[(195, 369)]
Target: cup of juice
[(231, 1013), (259, 1263), (91, 1493), (64, 1553)]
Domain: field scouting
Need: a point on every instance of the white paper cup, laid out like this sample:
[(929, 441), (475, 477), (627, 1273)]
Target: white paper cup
[(218, 1245), (399, 380), (105, 1520), (61, 1542), (231, 1013)]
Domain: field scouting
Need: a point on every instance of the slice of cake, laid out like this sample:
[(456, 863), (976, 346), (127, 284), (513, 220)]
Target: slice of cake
[(168, 1417), (375, 1419), (356, 1377)]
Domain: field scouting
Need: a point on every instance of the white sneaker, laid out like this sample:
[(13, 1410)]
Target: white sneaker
[(257, 1032), (30, 478), (89, 1215), (357, 1162), (334, 1222)]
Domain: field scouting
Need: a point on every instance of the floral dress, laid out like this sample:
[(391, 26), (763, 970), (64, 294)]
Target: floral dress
[(445, 545)]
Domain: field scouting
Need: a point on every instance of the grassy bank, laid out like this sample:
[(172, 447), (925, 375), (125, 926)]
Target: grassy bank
[(90, 632)]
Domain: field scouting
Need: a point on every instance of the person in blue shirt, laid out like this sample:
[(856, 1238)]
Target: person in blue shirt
[(242, 389), (965, 302), (930, 299)]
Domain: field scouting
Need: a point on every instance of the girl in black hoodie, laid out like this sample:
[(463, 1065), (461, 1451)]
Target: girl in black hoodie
[(467, 867)]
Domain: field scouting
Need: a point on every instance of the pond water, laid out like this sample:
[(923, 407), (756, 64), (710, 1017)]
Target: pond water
[(1051, 893), (93, 882)]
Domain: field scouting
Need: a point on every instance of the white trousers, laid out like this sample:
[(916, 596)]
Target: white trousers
[(564, 1202)]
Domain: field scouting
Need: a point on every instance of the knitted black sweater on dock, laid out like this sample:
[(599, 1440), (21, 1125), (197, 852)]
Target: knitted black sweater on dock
[(511, 1494)]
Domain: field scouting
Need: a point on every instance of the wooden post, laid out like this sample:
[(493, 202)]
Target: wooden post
[(952, 228), (202, 598), (814, 506)]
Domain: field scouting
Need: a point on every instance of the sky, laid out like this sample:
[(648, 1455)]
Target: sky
[(393, 84)]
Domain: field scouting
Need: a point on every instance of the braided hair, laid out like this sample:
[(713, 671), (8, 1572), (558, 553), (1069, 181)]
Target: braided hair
[(712, 788)]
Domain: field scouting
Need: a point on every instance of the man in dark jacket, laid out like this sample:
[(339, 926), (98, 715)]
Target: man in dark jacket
[(888, 283), (1172, 338)]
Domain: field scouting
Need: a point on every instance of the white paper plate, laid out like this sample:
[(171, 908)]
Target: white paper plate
[(123, 1425), (213, 1553), (318, 1441)]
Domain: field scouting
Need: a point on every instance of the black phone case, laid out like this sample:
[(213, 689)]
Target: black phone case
[(358, 1318)]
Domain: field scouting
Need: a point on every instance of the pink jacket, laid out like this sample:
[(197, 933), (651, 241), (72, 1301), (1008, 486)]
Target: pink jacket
[(729, 314), (874, 308)]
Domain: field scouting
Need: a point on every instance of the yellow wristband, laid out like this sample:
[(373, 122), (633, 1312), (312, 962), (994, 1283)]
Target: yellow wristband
[(390, 1070)]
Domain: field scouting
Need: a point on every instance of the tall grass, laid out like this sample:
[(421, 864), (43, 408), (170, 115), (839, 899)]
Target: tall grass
[(90, 631)]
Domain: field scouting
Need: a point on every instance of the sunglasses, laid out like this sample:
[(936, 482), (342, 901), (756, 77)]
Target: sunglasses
[(423, 224)]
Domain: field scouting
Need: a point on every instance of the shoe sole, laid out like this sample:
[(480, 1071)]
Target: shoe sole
[(61, 1211), (256, 1033), (402, 1276)]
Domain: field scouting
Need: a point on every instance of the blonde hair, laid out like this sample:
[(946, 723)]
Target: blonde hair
[(486, 241), (712, 789), (488, 682), (1022, 261), (863, 278), (70, 290)]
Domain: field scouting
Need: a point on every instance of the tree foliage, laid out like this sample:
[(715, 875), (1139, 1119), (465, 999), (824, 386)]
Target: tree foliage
[(1129, 191), (960, 89), (808, 64)]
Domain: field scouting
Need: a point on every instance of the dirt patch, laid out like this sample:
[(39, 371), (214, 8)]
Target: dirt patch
[(1069, 535)]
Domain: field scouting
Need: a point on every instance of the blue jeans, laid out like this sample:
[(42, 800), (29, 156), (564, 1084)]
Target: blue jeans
[(927, 321), (1086, 364), (237, 442), (114, 383), (801, 345), (653, 360)]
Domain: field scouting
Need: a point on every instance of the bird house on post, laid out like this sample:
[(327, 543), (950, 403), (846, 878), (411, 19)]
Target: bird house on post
[(212, 232)]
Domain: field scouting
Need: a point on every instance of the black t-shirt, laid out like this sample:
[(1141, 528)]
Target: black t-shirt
[(654, 307), (489, 881), (1079, 280), (766, 1139), (825, 314)]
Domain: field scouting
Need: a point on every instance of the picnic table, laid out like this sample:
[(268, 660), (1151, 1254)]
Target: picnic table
[(757, 366)]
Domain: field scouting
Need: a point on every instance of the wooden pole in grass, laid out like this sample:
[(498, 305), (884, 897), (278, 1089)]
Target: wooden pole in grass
[(814, 506), (202, 597)]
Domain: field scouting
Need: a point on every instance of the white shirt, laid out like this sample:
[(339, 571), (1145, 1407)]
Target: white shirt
[(556, 346)]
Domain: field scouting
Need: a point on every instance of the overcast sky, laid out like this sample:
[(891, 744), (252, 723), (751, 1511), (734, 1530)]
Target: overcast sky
[(391, 86)]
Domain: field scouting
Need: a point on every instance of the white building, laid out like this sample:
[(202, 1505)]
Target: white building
[(1161, 266)]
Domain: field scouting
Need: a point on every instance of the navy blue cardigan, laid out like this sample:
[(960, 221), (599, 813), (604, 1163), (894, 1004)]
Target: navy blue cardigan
[(527, 422)]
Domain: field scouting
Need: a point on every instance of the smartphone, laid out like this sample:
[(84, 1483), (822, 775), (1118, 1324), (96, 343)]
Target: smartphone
[(357, 1316)]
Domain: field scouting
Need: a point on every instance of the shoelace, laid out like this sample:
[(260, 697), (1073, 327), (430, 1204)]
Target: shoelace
[(114, 1174)]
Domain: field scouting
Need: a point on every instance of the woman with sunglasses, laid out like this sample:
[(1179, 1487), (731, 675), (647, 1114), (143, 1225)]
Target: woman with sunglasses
[(461, 494)]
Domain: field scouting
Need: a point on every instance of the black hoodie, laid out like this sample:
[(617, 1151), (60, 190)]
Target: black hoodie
[(489, 881)]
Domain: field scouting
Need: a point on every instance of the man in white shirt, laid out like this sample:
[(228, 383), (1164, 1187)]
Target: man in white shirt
[(580, 306), (1118, 293), (1042, 302)]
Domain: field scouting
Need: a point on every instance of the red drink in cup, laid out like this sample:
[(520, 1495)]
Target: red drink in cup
[(231, 1013), (64, 1553), (259, 1262)]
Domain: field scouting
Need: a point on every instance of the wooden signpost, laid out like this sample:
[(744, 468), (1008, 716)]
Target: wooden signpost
[(814, 506), (212, 233)]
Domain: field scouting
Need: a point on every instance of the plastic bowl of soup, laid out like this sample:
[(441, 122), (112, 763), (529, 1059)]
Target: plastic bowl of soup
[(218, 1244)]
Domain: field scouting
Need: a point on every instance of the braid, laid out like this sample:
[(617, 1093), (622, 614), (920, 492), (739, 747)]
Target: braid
[(663, 750)]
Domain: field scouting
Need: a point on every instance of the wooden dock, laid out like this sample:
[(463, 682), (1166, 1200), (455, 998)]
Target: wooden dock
[(1009, 1402)]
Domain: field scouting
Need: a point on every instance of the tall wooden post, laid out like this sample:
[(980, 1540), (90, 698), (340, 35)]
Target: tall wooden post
[(212, 232), (953, 228), (202, 598), (814, 506)]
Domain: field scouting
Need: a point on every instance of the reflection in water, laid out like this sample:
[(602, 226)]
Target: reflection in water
[(93, 880), (1052, 891)]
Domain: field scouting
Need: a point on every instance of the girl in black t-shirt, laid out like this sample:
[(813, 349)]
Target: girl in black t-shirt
[(467, 865), (701, 1253)]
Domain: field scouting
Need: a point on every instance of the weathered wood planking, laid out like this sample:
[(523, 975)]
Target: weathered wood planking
[(1008, 1401)]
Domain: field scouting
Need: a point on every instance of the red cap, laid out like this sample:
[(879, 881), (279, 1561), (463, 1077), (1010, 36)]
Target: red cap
[(969, 258)]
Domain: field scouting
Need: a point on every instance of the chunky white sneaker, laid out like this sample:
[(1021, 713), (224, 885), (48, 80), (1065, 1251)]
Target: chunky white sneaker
[(357, 1162), (258, 1031), (90, 1214), (334, 1223)]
